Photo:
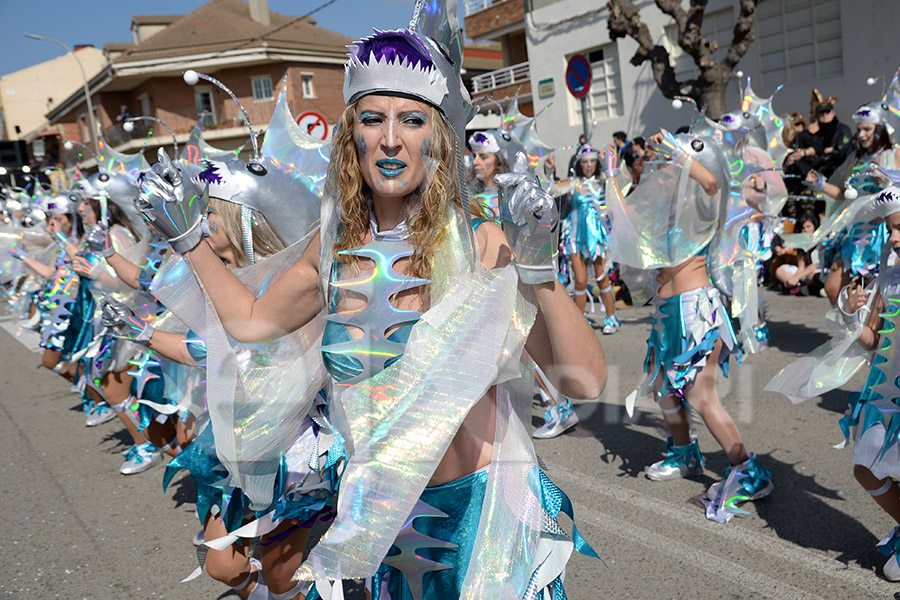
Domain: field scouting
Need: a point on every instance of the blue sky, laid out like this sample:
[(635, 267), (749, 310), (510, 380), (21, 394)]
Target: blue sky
[(99, 21)]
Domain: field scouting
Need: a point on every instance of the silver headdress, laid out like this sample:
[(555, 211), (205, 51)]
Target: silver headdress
[(63, 203), (587, 152), (869, 113), (887, 201), (422, 61), (496, 142), (283, 181)]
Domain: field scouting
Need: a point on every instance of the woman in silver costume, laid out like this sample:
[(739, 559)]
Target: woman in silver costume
[(395, 253)]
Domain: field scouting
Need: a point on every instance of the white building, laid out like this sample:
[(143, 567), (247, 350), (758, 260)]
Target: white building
[(832, 45)]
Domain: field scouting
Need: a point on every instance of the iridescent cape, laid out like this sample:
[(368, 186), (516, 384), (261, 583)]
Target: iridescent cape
[(398, 423), (835, 362), (257, 394)]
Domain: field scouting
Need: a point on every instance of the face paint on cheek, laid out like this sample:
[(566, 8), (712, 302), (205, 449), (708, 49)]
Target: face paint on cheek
[(213, 226), (426, 148), (361, 145)]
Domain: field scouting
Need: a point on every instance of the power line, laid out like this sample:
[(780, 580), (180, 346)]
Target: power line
[(277, 29)]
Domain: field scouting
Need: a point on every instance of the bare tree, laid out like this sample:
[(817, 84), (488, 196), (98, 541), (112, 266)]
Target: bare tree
[(709, 88)]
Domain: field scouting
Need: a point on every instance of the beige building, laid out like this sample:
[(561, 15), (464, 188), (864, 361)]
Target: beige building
[(27, 95)]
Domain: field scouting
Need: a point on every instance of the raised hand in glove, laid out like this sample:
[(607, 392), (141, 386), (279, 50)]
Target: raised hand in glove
[(99, 242), (174, 206), (123, 323), (531, 223), (18, 252)]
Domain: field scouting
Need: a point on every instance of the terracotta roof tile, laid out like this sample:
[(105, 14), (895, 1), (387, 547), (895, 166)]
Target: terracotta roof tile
[(222, 25), (154, 19)]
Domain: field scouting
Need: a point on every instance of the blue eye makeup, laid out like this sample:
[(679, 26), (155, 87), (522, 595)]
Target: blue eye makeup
[(414, 118), (367, 117)]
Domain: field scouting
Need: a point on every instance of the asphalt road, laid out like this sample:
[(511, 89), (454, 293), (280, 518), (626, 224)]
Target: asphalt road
[(74, 528)]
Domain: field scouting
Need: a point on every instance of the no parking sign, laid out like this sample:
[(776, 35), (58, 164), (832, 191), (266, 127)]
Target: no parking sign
[(313, 124), (578, 76)]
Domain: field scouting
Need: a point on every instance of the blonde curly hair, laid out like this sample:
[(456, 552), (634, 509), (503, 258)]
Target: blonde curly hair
[(427, 225), (265, 241)]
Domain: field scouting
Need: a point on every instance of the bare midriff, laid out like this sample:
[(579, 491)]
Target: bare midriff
[(689, 275), (473, 445)]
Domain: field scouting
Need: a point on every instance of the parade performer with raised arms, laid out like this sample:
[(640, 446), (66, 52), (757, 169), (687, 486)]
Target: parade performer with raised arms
[(425, 328), (678, 234)]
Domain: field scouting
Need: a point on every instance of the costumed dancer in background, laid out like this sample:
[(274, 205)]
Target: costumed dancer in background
[(444, 358), (589, 226), (871, 315), (54, 301), (269, 448), (493, 152), (691, 334), (220, 509), (855, 249)]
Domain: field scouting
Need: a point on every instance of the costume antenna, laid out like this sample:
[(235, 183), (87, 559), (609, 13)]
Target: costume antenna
[(191, 77)]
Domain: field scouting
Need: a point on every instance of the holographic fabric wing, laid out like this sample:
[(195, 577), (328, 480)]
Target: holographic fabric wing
[(400, 422), (111, 161), (196, 149), (293, 150), (258, 394), (522, 129), (437, 19), (665, 221), (826, 368), (891, 105)]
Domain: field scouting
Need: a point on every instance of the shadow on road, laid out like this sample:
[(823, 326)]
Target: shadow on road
[(796, 510), (834, 401), (185, 491), (797, 513), (795, 338), (120, 438), (611, 426)]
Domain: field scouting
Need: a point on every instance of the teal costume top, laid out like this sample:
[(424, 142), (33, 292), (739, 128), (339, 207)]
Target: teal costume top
[(588, 222)]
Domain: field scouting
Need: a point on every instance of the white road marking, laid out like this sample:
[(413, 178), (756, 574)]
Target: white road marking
[(774, 547)]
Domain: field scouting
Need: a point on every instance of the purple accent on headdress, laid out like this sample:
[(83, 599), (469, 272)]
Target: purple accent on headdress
[(865, 112), (210, 174), (393, 45), (52, 206), (480, 138), (727, 119), (885, 196)]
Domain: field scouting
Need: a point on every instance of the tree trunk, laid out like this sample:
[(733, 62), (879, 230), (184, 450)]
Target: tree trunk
[(711, 92)]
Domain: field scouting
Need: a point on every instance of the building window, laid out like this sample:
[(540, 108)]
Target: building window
[(262, 88), (718, 27), (203, 98), (799, 40), (604, 101), (306, 83)]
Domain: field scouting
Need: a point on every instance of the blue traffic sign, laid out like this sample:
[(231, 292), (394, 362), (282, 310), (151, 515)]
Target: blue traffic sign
[(578, 76)]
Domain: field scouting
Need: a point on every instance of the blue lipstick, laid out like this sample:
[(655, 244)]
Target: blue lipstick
[(390, 167)]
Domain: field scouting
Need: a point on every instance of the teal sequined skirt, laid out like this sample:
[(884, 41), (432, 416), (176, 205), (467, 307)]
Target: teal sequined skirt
[(684, 333)]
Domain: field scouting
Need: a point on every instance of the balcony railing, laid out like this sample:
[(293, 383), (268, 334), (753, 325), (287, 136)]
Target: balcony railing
[(473, 6), (513, 74)]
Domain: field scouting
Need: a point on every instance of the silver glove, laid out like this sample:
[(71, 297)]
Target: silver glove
[(531, 223), (18, 252), (99, 242), (819, 184), (123, 323), (174, 206)]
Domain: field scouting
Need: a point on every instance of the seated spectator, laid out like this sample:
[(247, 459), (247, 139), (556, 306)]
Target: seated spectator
[(823, 146), (801, 278)]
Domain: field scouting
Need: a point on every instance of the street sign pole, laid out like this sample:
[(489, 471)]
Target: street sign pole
[(584, 117), (578, 80)]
